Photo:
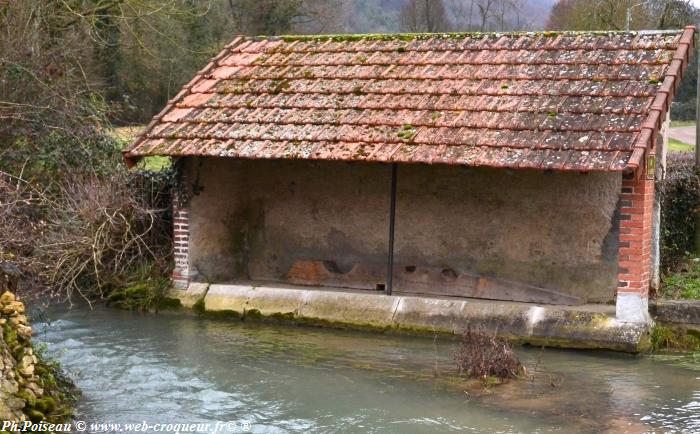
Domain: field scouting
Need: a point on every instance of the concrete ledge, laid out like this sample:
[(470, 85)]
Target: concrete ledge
[(681, 312), (190, 295), (369, 309), (588, 326)]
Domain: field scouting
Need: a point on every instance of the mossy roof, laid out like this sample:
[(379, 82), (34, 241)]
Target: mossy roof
[(547, 100)]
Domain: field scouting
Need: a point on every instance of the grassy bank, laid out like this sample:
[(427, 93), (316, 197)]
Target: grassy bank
[(684, 282), (126, 135), (145, 289), (677, 146)]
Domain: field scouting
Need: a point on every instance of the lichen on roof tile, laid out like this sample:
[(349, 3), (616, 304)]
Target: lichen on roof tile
[(545, 100)]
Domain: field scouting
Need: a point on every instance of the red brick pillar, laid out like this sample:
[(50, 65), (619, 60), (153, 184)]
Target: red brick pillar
[(181, 239), (634, 255)]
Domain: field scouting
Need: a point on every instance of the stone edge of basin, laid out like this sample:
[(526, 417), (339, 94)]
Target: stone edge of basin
[(585, 327), (684, 313)]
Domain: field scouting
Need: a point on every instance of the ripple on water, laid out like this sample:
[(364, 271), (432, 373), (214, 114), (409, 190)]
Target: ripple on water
[(290, 379)]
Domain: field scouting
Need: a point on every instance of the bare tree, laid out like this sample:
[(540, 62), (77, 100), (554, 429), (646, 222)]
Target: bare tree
[(559, 15), (276, 17), (611, 14), (484, 8), (673, 14), (487, 15), (424, 16), (509, 15)]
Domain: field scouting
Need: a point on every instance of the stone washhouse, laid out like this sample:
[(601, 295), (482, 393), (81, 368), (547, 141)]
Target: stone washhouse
[(426, 182)]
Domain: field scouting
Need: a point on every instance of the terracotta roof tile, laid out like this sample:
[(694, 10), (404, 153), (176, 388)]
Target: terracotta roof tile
[(555, 101)]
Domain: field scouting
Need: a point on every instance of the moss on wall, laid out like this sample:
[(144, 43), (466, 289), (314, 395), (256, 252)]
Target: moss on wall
[(144, 290), (32, 387), (674, 337)]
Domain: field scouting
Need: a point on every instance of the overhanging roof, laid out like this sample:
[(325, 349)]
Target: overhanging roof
[(582, 101)]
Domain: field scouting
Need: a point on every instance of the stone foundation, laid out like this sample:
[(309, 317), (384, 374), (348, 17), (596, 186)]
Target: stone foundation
[(587, 326), (679, 313)]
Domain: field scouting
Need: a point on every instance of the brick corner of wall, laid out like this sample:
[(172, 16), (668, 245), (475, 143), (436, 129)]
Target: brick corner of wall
[(636, 220)]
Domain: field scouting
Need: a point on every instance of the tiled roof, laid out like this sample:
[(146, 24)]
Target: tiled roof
[(562, 101)]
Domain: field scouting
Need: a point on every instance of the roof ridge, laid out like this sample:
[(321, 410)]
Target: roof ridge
[(340, 37)]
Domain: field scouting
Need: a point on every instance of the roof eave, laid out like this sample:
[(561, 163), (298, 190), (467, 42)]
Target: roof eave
[(662, 103), (131, 160)]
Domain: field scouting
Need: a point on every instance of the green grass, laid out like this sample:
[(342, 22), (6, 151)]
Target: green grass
[(665, 337), (676, 146), (126, 135), (685, 283), (145, 288), (156, 163)]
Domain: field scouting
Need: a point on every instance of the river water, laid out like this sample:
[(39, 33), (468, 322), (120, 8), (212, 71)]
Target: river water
[(276, 379)]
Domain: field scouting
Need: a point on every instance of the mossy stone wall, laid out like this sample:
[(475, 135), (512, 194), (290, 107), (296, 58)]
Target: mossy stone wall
[(30, 389)]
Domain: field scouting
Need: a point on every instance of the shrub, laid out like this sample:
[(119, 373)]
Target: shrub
[(71, 218), (52, 117), (680, 197), (683, 110), (483, 356), (85, 234), (684, 283)]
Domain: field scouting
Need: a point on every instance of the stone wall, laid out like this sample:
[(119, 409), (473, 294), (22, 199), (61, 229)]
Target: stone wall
[(253, 219), (680, 313), (18, 360), (29, 389)]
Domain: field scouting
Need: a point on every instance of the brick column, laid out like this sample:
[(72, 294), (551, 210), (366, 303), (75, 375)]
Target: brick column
[(634, 255), (181, 239)]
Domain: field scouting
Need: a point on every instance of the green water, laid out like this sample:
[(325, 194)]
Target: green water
[(174, 369)]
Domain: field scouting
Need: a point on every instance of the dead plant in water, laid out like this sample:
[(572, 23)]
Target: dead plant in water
[(484, 356)]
